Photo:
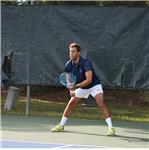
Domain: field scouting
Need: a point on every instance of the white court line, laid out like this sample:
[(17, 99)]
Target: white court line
[(64, 146), (78, 145)]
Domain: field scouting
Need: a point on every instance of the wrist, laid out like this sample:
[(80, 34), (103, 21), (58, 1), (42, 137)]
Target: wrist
[(78, 86)]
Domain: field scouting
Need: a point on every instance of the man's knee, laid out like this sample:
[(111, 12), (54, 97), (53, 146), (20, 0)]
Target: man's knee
[(73, 102), (100, 100)]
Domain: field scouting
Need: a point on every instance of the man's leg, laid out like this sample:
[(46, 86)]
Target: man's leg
[(67, 112), (106, 115), (70, 106), (101, 104)]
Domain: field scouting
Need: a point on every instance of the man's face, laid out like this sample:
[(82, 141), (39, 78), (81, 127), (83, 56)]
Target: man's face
[(73, 53)]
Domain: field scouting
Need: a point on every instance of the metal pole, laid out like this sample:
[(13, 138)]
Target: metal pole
[(32, 2), (27, 83), (27, 100)]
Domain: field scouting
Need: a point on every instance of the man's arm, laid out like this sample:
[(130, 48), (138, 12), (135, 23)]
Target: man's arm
[(87, 81)]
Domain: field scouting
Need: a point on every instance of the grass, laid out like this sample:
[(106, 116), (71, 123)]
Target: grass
[(55, 109)]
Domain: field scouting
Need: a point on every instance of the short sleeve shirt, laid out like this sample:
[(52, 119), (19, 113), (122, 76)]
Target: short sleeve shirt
[(79, 71)]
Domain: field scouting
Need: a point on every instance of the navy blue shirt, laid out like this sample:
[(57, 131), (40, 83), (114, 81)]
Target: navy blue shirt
[(79, 71)]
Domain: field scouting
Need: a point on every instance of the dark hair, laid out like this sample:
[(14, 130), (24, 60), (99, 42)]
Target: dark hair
[(75, 45)]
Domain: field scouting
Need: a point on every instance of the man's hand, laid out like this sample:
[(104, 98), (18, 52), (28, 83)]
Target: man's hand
[(72, 88), (72, 93)]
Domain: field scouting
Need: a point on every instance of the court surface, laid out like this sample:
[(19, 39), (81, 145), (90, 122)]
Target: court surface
[(33, 132)]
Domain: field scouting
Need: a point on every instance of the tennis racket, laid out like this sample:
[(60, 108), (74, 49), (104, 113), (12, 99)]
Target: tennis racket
[(67, 79)]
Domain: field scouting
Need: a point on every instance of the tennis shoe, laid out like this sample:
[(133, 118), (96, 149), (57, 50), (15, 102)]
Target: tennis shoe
[(58, 128), (111, 132)]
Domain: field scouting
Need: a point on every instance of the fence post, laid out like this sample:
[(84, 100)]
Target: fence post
[(27, 100), (32, 2)]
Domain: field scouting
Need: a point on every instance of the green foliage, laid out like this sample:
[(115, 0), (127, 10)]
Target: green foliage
[(55, 109)]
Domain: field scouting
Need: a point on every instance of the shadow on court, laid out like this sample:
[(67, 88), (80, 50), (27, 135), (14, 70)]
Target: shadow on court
[(77, 132), (116, 136)]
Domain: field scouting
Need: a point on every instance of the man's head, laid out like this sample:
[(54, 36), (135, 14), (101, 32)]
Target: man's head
[(74, 51)]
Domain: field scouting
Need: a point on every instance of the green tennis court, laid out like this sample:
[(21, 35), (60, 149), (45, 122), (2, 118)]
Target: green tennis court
[(35, 132)]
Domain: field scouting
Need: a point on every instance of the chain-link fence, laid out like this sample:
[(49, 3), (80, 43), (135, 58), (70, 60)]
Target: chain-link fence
[(120, 100), (116, 96), (63, 2), (126, 103)]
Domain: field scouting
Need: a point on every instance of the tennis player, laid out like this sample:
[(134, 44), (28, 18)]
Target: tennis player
[(88, 83)]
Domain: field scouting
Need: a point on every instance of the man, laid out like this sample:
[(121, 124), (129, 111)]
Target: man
[(87, 84)]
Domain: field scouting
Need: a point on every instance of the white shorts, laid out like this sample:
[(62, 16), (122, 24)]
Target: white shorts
[(84, 93)]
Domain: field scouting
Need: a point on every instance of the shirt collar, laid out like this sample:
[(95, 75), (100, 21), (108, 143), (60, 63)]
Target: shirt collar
[(80, 60)]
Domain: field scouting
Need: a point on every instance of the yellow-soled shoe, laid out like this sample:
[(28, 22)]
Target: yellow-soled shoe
[(58, 128), (111, 132)]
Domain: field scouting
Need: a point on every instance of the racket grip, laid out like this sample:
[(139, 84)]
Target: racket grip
[(70, 86)]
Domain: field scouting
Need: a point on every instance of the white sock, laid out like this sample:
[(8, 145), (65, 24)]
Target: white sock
[(109, 122), (63, 121)]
